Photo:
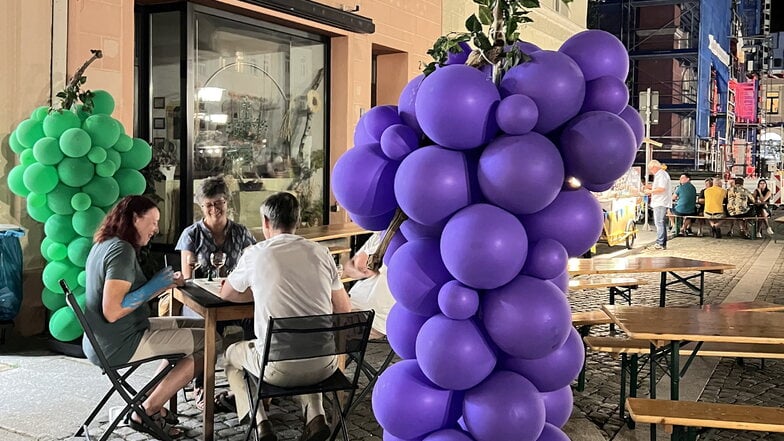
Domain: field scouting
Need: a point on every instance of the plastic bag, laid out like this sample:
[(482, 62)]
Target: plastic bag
[(10, 272)]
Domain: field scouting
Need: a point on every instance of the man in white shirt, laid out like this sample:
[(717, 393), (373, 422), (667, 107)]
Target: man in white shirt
[(285, 276), (661, 200), (371, 291)]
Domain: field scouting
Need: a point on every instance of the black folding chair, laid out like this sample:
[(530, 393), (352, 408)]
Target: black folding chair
[(301, 338), (371, 372), (118, 375)]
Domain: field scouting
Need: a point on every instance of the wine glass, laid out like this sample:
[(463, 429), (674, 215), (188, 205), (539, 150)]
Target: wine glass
[(218, 259), (193, 264)]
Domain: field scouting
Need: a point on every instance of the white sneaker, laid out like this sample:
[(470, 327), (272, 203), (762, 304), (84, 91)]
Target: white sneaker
[(770, 231)]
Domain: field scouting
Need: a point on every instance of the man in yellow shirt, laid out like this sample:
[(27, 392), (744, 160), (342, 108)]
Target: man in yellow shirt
[(714, 206)]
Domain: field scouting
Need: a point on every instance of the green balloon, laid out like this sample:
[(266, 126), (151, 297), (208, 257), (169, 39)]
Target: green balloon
[(82, 278), (114, 156), (40, 178), (59, 200), (36, 200), (64, 326), (97, 155), (54, 271), (81, 113), (57, 251), (78, 250), (105, 169), (103, 103), (75, 171), (75, 142), (59, 121), (59, 228), (47, 151), (52, 300), (41, 214), (27, 157), (14, 143), (45, 248), (81, 297), (81, 201), (139, 155), (86, 222), (123, 144), (102, 129), (28, 132), (39, 114), (102, 191), (16, 181), (131, 182)]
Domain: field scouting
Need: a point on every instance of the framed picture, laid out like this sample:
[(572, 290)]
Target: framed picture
[(159, 102), (159, 123), (158, 143)]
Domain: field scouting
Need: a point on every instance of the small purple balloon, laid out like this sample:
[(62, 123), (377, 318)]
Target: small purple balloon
[(505, 407), (406, 104), (527, 47), (605, 93), (598, 53), (397, 240), (458, 301), (413, 230), (546, 259), (555, 371), (552, 433), (454, 354), (634, 120), (398, 141), (363, 181), (558, 405), (561, 281), (517, 114), (458, 57), (378, 119), (487, 260), (373, 223), (407, 405), (455, 107), (416, 274), (448, 435), (402, 329), (528, 317)]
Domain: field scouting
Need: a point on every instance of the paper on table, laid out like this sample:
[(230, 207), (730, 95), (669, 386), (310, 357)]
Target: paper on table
[(212, 286)]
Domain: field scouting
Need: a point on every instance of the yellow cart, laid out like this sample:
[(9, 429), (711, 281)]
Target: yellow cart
[(619, 220)]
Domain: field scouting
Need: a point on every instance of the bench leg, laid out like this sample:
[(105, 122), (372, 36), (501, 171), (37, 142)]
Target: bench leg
[(622, 407), (633, 371), (583, 331)]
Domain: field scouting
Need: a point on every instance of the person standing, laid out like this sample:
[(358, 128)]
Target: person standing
[(685, 198), (659, 191)]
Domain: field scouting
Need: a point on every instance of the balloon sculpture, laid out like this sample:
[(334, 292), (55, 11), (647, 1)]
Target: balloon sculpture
[(75, 164), (479, 268)]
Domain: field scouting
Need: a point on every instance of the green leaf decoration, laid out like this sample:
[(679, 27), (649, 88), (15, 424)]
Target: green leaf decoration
[(485, 15)]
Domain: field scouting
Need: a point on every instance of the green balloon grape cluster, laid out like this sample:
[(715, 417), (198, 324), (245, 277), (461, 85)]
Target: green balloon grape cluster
[(74, 166)]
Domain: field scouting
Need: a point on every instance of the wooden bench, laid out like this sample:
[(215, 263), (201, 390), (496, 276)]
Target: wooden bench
[(700, 221), (618, 286), (583, 322), (693, 414)]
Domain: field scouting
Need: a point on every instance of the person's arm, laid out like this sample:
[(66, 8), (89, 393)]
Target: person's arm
[(236, 287), (340, 301), (186, 257), (764, 198), (228, 292), (114, 291), (356, 268)]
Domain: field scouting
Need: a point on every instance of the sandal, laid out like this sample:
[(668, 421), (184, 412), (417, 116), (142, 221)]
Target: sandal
[(160, 422), (225, 403), (169, 417), (198, 397)]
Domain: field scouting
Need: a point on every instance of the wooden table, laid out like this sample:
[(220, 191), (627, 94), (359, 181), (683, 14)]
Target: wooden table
[(664, 265), (322, 232), (213, 309)]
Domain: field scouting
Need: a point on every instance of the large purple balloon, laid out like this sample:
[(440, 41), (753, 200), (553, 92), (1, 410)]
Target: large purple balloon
[(378, 119), (407, 405), (522, 174), (448, 435), (363, 181), (528, 317), (592, 136), (454, 354), (517, 114), (397, 240), (526, 47), (552, 433), (432, 183), (605, 93), (553, 81), (484, 246), (556, 370), (505, 407), (598, 53), (406, 104), (389, 437), (598, 188), (373, 223), (456, 105), (561, 281), (546, 259), (458, 301), (558, 405), (634, 120), (414, 230), (402, 329), (398, 141), (416, 273), (574, 218)]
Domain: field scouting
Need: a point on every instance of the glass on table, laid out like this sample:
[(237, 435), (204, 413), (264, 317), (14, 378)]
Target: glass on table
[(217, 260)]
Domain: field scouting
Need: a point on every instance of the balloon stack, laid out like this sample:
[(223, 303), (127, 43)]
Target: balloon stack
[(75, 165), (496, 182)]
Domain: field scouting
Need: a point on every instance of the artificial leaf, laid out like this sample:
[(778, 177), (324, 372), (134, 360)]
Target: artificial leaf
[(473, 24), (485, 15), (530, 3)]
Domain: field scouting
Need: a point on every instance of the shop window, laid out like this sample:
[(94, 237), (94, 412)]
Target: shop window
[(772, 102)]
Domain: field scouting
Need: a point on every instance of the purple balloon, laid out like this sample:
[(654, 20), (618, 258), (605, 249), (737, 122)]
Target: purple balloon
[(407, 405), (432, 183), (546, 259), (574, 218), (595, 135), (448, 435), (528, 317), (363, 181), (553, 81), (389, 437), (458, 57), (526, 47), (402, 329), (378, 118), (458, 301), (634, 120), (556, 370), (605, 93), (561, 281), (558, 405), (415, 274), (406, 104), (397, 240), (456, 105), (398, 141), (517, 114), (598, 53), (487, 260), (414, 230), (454, 354), (505, 407), (373, 223), (552, 433), (361, 136), (598, 188), (510, 164)]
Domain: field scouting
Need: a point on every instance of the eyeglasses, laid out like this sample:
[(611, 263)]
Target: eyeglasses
[(220, 203)]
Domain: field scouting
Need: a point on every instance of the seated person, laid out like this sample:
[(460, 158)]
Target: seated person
[(701, 197), (740, 203), (285, 276), (685, 198), (761, 197), (714, 206), (371, 291), (116, 306)]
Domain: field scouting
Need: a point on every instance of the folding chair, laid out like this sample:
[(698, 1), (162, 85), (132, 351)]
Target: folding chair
[(300, 338), (118, 375), (371, 373)]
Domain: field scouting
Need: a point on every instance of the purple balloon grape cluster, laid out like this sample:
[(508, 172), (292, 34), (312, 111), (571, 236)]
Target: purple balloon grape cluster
[(478, 271)]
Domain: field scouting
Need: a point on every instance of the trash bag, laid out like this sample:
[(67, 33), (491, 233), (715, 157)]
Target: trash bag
[(10, 271)]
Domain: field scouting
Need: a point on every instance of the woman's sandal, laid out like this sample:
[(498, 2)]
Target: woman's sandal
[(198, 397), (158, 420), (225, 402), (169, 417)]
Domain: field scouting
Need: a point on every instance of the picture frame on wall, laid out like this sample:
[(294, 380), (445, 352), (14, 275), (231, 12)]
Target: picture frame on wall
[(159, 123), (158, 143), (159, 102)]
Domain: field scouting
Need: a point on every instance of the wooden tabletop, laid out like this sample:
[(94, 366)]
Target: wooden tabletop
[(323, 232), (643, 265), (662, 325)]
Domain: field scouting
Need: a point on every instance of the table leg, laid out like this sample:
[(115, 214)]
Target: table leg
[(702, 287), (652, 391), (663, 289), (208, 413), (675, 377)]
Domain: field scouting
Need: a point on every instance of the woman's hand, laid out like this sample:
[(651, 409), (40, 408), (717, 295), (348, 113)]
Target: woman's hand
[(179, 279)]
